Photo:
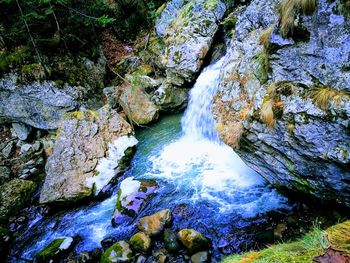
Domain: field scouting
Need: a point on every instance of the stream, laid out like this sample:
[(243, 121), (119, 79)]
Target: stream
[(204, 183)]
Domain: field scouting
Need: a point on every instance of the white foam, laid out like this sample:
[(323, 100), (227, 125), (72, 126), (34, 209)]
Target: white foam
[(129, 187), (66, 243), (106, 166)]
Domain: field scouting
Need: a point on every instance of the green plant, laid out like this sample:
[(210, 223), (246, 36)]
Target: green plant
[(265, 37), (264, 66)]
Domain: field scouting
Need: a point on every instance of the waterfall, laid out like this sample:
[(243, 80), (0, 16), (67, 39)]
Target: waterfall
[(198, 120)]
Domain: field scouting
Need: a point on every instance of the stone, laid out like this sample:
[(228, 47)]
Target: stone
[(119, 252), (14, 195), (137, 105), (193, 240), (110, 93), (170, 241), (8, 150), (154, 224), (132, 197), (43, 104), (188, 34), (140, 242), (55, 250), (170, 99), (307, 150), (25, 148), (5, 174), (22, 131), (200, 257), (90, 150)]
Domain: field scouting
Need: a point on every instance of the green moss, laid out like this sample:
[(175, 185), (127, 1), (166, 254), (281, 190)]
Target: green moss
[(263, 70), (230, 23), (50, 251), (160, 10), (105, 258), (121, 253), (13, 59), (211, 4)]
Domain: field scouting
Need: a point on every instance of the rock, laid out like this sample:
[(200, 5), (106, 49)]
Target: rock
[(55, 250), (200, 257), (14, 196), (268, 105), (137, 105), (188, 34), (25, 148), (193, 240), (22, 131), (170, 241), (119, 252), (154, 224), (160, 256), (43, 104), (8, 150), (90, 149), (140, 242), (132, 196), (110, 94), (170, 99), (5, 174)]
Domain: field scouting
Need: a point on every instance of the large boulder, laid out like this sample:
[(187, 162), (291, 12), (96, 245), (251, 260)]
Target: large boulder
[(72, 82), (14, 196), (284, 103), (119, 252), (57, 249), (137, 105), (188, 28), (39, 104), (169, 98), (89, 152)]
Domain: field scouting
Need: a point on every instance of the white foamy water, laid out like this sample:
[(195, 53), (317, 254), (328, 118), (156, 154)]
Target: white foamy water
[(208, 168)]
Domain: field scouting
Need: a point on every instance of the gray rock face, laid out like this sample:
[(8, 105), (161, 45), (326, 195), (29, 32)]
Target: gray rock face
[(41, 105), (87, 153), (170, 99), (286, 108), (22, 131), (188, 33)]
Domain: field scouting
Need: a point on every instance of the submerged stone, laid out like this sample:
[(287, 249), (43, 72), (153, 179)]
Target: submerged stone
[(119, 252), (140, 242), (193, 240), (154, 224), (170, 241), (132, 196), (55, 250)]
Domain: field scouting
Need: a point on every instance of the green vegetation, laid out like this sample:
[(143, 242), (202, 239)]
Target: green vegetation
[(265, 37), (264, 66), (302, 250), (288, 11), (50, 251)]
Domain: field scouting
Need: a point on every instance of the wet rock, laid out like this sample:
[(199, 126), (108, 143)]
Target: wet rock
[(170, 241), (137, 105), (160, 256), (154, 224), (5, 174), (132, 196), (43, 104), (119, 252), (55, 250), (170, 99), (14, 196), (22, 131), (141, 259), (200, 257), (90, 148), (304, 147), (140, 242), (188, 34), (193, 240), (8, 150)]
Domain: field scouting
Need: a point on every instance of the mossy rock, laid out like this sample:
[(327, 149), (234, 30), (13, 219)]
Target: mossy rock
[(13, 196), (193, 240), (55, 249), (170, 241), (119, 252), (140, 242)]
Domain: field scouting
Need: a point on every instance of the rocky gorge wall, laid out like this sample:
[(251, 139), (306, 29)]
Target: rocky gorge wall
[(283, 101)]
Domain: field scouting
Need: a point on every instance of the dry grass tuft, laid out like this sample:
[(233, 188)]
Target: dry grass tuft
[(265, 37), (230, 133), (288, 11), (323, 96), (266, 112)]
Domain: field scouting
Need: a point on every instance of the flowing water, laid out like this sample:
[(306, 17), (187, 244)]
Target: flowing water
[(203, 182)]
